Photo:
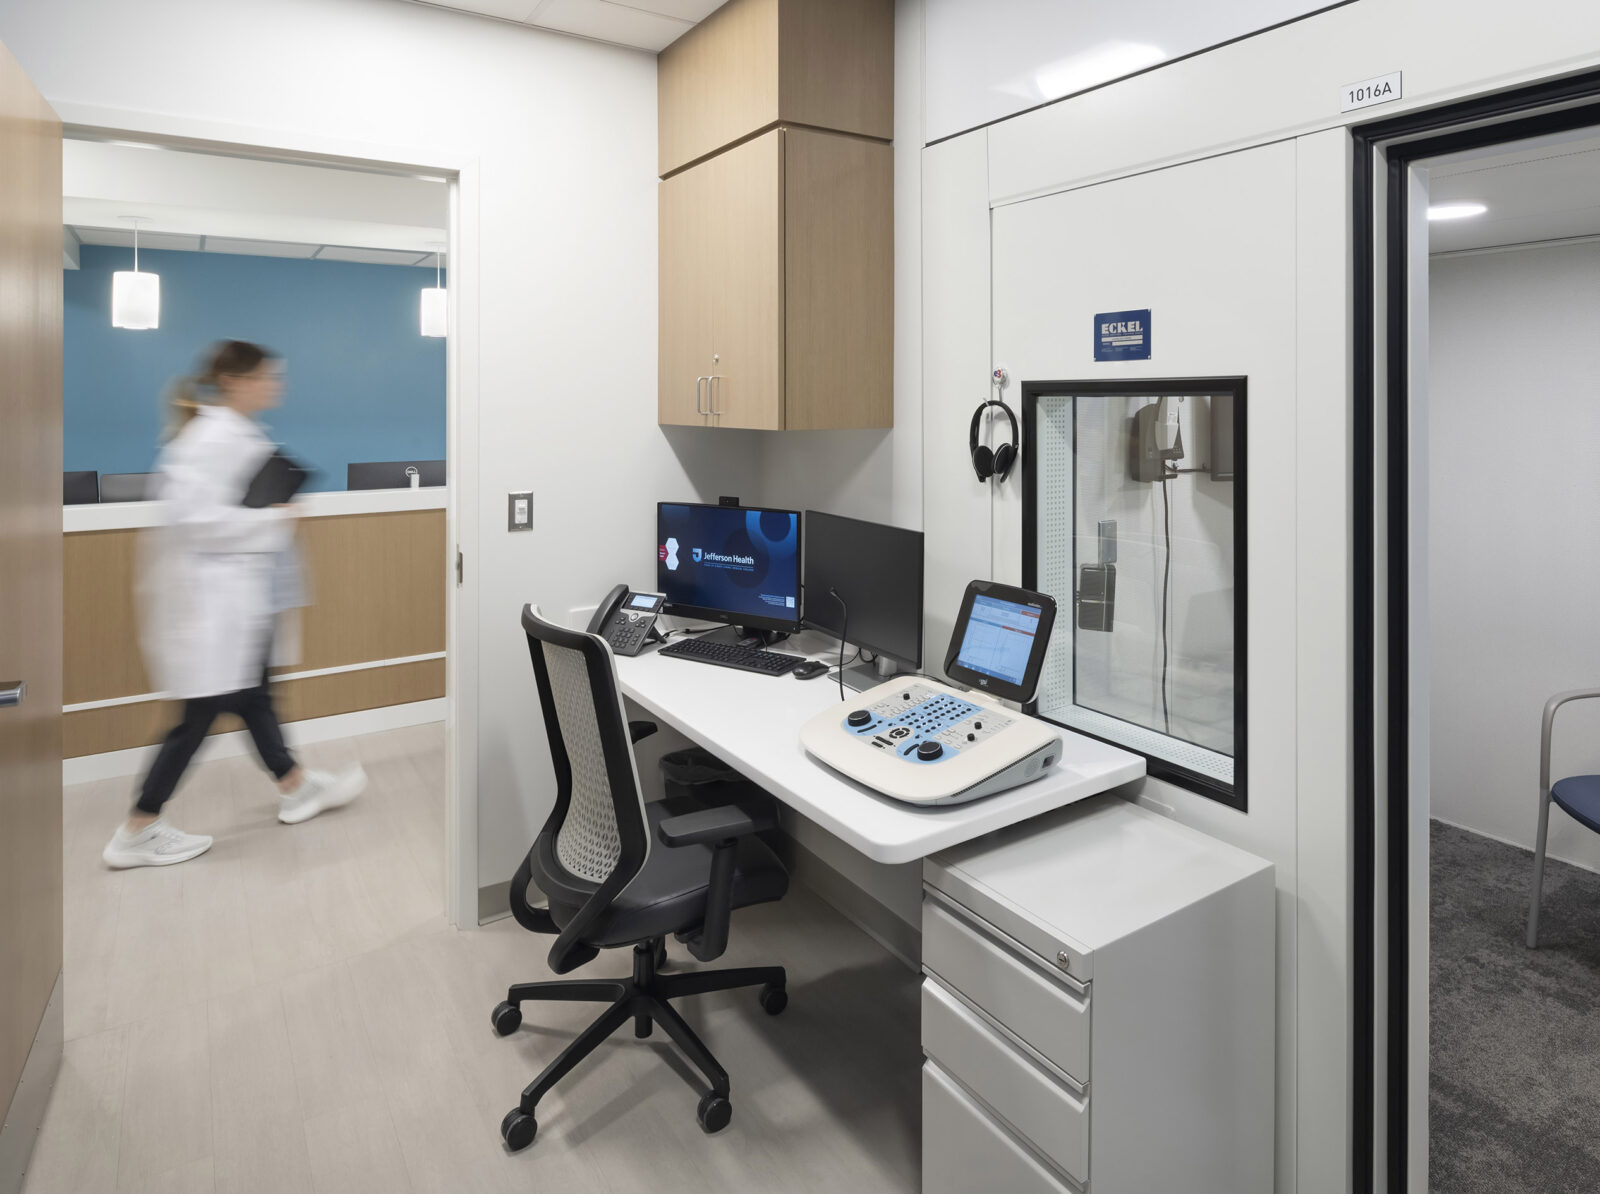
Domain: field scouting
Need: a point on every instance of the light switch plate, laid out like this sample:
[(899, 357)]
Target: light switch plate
[(519, 511)]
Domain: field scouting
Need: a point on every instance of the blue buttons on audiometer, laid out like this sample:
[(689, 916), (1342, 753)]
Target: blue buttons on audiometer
[(923, 726)]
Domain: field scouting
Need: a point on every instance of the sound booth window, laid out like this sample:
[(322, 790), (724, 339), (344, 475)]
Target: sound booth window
[(1134, 520)]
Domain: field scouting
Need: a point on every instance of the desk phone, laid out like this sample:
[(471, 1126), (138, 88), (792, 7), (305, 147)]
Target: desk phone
[(924, 742), (627, 619)]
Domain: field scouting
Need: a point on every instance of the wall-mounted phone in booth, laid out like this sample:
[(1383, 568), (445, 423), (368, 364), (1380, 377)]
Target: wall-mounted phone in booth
[(627, 619)]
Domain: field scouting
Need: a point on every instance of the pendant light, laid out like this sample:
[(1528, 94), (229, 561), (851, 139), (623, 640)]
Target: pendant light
[(433, 302), (135, 296)]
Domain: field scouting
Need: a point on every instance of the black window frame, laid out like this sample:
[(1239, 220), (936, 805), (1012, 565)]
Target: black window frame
[(1236, 794)]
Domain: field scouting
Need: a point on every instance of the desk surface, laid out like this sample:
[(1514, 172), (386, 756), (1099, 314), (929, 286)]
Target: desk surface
[(753, 723)]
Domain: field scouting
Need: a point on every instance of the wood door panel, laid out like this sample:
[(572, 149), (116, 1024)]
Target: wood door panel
[(747, 263), (718, 82), (684, 351), (838, 282), (30, 562)]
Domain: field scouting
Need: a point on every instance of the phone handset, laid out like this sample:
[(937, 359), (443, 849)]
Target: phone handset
[(627, 619), (607, 609)]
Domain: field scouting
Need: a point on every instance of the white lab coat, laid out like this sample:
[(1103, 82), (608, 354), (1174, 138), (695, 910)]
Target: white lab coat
[(215, 575)]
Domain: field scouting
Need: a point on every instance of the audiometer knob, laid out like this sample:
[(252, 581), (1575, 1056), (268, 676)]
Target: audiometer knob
[(928, 751), (859, 718)]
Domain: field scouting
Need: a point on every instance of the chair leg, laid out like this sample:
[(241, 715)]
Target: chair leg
[(582, 1045), (684, 1037), (1538, 869), (573, 991), (701, 982)]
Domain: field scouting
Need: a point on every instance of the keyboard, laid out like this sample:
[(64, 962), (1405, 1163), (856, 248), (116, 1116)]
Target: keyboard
[(748, 659)]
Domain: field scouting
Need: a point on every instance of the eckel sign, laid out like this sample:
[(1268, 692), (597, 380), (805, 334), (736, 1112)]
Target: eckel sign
[(1122, 335)]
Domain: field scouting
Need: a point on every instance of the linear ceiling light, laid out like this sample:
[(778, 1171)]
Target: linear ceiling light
[(1455, 211)]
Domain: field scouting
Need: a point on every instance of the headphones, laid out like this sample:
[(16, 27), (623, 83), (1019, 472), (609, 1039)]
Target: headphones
[(998, 461)]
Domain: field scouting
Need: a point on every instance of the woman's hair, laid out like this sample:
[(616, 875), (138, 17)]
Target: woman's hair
[(225, 358)]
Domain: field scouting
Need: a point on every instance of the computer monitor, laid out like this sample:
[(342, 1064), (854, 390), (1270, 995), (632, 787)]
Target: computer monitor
[(1000, 639), (125, 487), (391, 474), (80, 488), (876, 572), (734, 564)]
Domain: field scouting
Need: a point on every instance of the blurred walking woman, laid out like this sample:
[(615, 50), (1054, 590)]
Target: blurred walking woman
[(217, 576)]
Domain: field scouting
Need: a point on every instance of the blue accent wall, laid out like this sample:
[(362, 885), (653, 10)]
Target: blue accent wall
[(363, 383)]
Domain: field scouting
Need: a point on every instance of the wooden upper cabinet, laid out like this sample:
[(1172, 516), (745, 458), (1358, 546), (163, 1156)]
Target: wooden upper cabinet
[(754, 64), (777, 282)]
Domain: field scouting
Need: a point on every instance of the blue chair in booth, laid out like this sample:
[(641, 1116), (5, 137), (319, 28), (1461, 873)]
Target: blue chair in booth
[(1578, 795)]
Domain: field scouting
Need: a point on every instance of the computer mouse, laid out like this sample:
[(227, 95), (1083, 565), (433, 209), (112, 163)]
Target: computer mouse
[(810, 669)]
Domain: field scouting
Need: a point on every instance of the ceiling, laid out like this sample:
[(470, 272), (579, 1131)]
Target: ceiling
[(1543, 189), (638, 24), (203, 202)]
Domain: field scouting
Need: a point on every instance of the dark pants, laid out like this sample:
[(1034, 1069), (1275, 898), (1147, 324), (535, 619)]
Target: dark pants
[(254, 705)]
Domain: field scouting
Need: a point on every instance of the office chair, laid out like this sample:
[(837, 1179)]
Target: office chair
[(609, 885), (1579, 795)]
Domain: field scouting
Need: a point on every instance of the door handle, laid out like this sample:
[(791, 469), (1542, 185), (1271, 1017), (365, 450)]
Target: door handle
[(711, 392), (12, 692), (699, 406)]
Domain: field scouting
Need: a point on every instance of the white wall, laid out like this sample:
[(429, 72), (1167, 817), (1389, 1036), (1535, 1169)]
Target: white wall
[(563, 132), (1514, 557)]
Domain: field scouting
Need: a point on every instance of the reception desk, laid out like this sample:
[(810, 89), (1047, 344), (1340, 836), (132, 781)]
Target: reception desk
[(377, 564)]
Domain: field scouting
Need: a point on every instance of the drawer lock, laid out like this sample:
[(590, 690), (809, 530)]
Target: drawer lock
[(1063, 961)]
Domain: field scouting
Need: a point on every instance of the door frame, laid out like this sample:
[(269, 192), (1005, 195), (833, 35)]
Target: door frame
[(462, 172), (1389, 667)]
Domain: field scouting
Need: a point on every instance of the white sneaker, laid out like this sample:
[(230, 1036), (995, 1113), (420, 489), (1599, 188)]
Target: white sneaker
[(318, 792), (157, 844)]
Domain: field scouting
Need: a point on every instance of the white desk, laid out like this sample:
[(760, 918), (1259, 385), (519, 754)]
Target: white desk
[(752, 722)]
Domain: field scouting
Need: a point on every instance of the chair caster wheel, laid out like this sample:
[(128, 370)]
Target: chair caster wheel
[(773, 999), (715, 1112), (506, 1018), (518, 1129)]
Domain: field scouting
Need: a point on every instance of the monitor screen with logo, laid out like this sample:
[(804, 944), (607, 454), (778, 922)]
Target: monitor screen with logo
[(731, 564)]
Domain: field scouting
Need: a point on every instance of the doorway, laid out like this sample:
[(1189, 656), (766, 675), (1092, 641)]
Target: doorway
[(1458, 428)]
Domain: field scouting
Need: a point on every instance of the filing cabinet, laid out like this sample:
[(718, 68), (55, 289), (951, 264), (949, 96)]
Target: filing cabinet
[(1098, 1009)]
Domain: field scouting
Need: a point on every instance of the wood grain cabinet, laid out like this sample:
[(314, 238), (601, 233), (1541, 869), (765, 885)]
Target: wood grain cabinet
[(777, 217), (777, 285), (754, 64)]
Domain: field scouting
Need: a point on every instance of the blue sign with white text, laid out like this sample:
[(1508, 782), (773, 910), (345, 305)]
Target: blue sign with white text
[(1122, 336)]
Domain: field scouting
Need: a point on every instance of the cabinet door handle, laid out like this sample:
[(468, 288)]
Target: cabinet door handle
[(711, 392), (12, 692), (699, 404)]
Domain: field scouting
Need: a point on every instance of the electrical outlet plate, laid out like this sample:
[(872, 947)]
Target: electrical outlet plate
[(519, 511)]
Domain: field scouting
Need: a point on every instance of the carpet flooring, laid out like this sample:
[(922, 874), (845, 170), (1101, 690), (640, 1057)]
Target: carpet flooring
[(1514, 1102)]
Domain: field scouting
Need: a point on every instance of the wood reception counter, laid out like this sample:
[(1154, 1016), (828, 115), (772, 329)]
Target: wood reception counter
[(377, 565)]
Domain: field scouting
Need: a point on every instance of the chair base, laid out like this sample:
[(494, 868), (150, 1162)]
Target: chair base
[(645, 1000)]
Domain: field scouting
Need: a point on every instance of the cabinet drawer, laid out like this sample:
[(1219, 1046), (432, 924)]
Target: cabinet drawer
[(1045, 1112), (963, 1149), (1046, 1012)]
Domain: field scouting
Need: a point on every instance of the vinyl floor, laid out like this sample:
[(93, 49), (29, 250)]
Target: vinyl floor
[(290, 1012)]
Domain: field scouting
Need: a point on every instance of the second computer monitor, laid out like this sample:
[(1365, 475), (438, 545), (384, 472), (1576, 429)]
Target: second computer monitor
[(870, 576), (733, 564)]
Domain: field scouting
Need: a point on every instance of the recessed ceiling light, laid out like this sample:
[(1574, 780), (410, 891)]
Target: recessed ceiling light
[(1455, 211)]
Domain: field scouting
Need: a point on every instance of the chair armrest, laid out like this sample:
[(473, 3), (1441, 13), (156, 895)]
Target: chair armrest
[(721, 828), (638, 730), (1550, 707), (714, 825)]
